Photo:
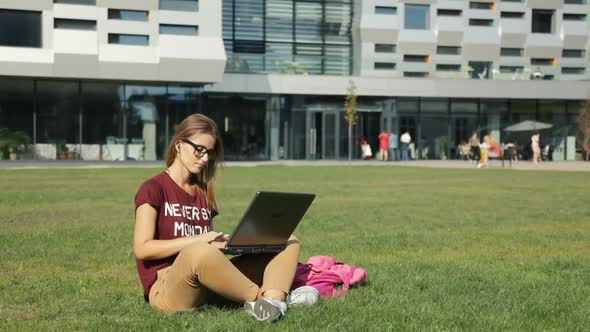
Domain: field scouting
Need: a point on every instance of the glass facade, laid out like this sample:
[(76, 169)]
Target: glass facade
[(106, 120), (575, 137), (17, 116), (242, 121), (433, 141), (58, 111), (293, 37), (91, 120), (464, 117)]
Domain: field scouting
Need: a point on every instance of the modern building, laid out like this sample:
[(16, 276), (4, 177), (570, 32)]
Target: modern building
[(109, 80)]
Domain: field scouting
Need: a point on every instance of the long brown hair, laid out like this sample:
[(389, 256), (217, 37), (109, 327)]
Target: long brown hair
[(199, 124)]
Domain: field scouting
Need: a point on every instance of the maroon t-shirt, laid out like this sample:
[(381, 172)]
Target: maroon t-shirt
[(179, 214)]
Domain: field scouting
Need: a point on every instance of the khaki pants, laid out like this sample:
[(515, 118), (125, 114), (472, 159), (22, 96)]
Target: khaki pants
[(202, 274)]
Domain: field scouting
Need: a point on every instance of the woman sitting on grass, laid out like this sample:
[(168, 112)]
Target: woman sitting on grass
[(366, 152), (176, 249)]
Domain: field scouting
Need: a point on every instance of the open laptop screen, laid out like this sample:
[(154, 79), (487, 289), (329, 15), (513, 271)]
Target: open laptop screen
[(270, 219)]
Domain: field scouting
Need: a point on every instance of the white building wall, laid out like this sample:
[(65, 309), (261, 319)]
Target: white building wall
[(478, 43), (68, 53), (401, 87)]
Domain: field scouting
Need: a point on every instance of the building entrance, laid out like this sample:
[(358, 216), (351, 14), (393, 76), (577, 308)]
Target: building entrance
[(323, 130)]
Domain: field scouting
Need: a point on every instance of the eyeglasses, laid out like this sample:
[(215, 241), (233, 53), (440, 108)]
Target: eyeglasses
[(200, 151)]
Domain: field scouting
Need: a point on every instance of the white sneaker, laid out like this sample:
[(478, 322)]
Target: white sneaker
[(266, 310), (304, 295)]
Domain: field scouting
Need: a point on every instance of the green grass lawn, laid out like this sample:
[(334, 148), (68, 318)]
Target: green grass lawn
[(444, 249)]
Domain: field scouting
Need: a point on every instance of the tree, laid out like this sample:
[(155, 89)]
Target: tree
[(350, 115), (584, 126)]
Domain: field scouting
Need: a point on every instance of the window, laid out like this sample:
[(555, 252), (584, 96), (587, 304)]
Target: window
[(311, 37), (308, 49), (381, 10), (506, 51), (416, 58), (542, 61), (512, 14), (174, 29), (449, 12), (415, 74), (481, 5), (543, 21), (573, 70), (337, 22), (480, 69), (76, 2), (250, 46), (128, 15), (481, 22), (448, 50), (384, 48), (20, 28), (127, 39), (63, 23), (249, 20), (511, 69), (448, 67), (337, 59), (181, 5), (417, 17), (573, 53), (574, 17), (384, 66)]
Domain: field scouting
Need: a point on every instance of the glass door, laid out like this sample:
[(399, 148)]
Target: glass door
[(323, 134), (434, 130), (330, 130), (314, 135), (408, 122)]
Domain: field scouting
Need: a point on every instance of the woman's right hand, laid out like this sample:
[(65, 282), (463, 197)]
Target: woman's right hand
[(212, 237)]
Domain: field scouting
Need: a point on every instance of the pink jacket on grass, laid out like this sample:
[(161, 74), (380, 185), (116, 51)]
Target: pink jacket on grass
[(329, 277)]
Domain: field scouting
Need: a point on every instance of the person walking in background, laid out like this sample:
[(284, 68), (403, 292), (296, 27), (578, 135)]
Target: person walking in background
[(494, 148), (483, 153), (405, 140), (393, 146), (474, 144), (383, 145), (535, 147)]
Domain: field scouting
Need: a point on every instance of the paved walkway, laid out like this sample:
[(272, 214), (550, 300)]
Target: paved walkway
[(519, 165)]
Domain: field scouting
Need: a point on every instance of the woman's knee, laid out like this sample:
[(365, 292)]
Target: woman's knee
[(293, 242), (199, 251)]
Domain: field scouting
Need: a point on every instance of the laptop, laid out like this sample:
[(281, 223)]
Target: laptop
[(268, 222)]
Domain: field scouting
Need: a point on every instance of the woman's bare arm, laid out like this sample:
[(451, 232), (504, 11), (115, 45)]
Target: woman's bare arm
[(146, 247)]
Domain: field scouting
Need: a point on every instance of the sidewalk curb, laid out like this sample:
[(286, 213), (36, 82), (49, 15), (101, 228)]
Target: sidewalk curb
[(576, 166)]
